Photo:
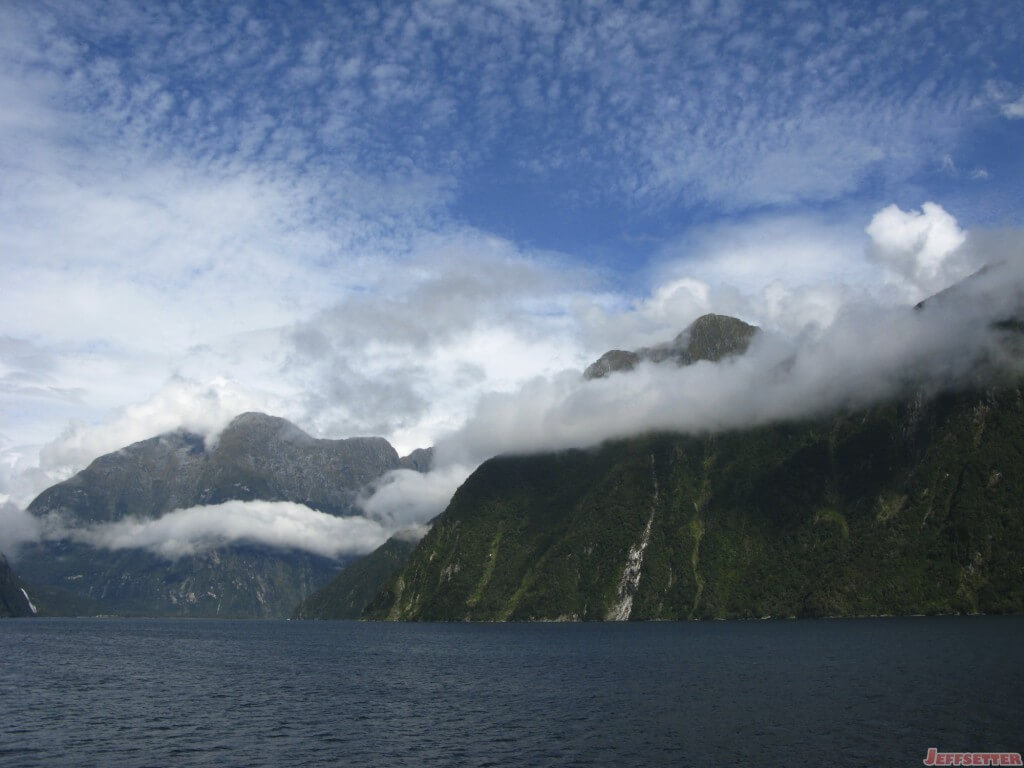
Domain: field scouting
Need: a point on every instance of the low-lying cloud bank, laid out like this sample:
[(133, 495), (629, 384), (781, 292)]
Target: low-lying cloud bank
[(404, 498), (869, 353), (183, 532), (17, 526)]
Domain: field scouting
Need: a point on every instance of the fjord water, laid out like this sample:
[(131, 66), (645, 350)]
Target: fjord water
[(275, 693)]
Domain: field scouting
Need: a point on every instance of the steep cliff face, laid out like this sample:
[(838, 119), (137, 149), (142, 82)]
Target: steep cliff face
[(14, 597), (257, 457), (904, 508)]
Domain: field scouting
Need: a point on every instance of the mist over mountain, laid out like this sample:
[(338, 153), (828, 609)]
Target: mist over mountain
[(868, 353), (244, 523), (866, 471), (255, 457), (253, 520), (904, 507)]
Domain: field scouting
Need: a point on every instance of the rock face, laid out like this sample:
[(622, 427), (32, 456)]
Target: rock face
[(348, 594), (14, 596), (904, 508), (709, 337), (420, 460), (257, 457)]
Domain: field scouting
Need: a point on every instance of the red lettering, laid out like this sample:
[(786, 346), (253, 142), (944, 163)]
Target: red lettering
[(930, 757)]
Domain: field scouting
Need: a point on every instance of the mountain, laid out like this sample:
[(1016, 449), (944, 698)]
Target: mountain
[(907, 507), (19, 599), (14, 596), (709, 337), (257, 457), (901, 509), (420, 460), (348, 594)]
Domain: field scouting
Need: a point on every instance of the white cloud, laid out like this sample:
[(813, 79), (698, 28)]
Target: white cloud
[(870, 352), (403, 497), (204, 409), (283, 525), (1014, 109), (486, 370), (921, 250), (16, 527), (773, 105), (466, 316)]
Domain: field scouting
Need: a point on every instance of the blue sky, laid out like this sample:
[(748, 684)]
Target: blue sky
[(366, 217)]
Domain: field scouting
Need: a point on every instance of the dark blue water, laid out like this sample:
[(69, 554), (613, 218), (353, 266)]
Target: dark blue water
[(178, 692)]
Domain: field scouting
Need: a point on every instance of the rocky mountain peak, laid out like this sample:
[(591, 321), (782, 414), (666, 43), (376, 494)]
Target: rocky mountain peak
[(710, 337), (255, 458), (262, 426)]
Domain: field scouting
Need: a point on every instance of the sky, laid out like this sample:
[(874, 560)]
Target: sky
[(404, 219)]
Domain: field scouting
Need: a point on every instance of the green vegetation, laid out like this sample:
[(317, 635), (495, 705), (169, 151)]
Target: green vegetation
[(900, 509), (351, 591)]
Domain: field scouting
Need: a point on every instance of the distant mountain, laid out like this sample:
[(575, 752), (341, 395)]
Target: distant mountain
[(348, 594), (903, 508), (257, 457), (420, 460), (709, 337), (14, 596)]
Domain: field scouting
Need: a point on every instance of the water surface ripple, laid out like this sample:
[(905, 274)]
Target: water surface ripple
[(853, 692)]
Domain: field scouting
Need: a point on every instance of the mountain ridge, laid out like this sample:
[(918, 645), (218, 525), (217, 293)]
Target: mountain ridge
[(710, 338), (256, 457)]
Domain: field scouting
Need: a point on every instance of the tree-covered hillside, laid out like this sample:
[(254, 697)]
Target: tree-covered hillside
[(905, 508)]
